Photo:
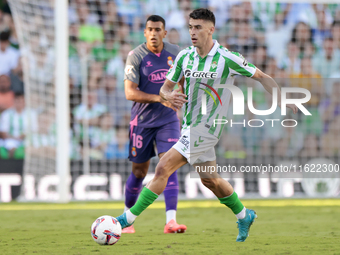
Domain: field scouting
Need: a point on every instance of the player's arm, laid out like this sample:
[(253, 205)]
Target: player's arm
[(269, 83), (134, 94), (132, 79)]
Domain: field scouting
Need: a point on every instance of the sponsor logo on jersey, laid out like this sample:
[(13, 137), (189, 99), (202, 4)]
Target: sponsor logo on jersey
[(170, 61), (200, 74), (148, 64), (128, 69), (245, 63), (158, 76)]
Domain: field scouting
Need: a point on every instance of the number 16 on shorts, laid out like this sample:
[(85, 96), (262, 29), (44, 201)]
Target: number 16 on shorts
[(137, 142)]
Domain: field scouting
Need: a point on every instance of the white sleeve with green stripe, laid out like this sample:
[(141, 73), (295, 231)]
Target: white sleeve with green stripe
[(239, 65), (175, 72)]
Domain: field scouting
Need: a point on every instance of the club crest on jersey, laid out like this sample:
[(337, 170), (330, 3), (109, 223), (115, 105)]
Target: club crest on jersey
[(128, 69), (214, 64), (200, 74), (134, 152), (170, 61)]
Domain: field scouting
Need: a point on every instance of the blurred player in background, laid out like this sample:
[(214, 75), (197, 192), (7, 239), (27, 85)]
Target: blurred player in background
[(153, 122), (204, 65)]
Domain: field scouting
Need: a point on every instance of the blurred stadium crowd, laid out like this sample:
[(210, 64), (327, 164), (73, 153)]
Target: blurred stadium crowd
[(298, 44)]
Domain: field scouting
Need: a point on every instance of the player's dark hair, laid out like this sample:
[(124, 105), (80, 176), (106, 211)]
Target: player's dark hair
[(156, 18), (204, 14)]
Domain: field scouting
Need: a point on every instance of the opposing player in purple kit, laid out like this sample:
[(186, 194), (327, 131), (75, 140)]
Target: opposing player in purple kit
[(154, 121)]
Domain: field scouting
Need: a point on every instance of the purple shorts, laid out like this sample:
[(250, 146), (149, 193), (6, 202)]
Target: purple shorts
[(142, 140)]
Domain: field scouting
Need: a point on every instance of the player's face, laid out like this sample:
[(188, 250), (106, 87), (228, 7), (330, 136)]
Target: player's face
[(200, 31), (154, 33)]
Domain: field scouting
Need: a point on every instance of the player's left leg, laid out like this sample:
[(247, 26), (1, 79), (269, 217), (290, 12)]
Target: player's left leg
[(171, 199), (167, 165), (227, 196), (134, 183), (133, 187), (141, 149), (166, 137)]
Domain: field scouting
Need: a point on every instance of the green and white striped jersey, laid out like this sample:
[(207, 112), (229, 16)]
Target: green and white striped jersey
[(201, 76)]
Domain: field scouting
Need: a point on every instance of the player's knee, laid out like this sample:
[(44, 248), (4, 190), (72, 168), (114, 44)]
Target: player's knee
[(161, 171), (139, 172), (210, 183)]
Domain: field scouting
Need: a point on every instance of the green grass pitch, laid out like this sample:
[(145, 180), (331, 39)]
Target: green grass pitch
[(283, 227)]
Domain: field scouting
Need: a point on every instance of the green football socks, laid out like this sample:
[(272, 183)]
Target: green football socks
[(233, 202), (146, 198)]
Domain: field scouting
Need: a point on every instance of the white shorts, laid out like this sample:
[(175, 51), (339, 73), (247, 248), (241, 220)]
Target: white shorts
[(197, 145)]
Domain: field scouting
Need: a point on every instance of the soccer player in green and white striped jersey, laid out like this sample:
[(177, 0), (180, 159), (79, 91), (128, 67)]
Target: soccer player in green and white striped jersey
[(201, 74), (206, 67)]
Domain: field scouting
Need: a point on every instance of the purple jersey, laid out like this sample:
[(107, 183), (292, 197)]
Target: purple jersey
[(149, 70)]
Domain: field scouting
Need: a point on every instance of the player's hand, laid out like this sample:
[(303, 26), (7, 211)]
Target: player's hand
[(176, 98), (167, 104)]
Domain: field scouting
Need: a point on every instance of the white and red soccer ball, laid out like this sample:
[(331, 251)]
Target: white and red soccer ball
[(106, 230)]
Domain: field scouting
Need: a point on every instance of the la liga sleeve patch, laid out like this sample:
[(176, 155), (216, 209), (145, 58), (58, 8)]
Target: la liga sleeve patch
[(128, 69)]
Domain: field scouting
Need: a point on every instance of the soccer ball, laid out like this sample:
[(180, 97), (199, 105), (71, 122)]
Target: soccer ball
[(106, 230)]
